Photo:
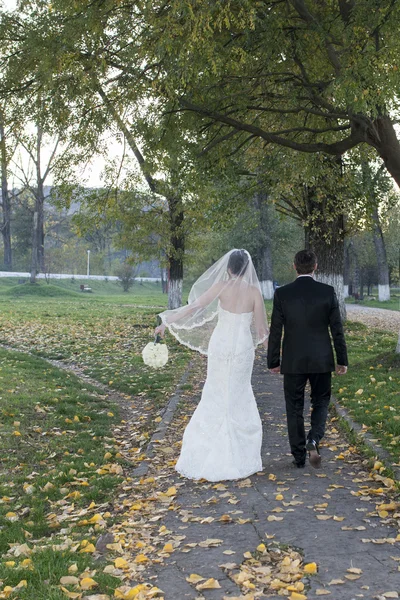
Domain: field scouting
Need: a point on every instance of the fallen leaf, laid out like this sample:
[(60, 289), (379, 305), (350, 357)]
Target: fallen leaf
[(311, 568), (210, 584), (69, 580), (194, 578)]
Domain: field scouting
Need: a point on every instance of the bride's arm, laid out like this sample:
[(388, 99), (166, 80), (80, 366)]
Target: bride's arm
[(260, 318)]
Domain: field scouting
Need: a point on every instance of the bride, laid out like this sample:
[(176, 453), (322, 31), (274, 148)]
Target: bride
[(224, 319)]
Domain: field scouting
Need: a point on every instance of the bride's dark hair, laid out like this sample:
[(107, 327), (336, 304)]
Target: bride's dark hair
[(238, 262)]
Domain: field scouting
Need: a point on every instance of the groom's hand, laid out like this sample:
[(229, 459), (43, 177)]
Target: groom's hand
[(275, 370), (341, 370)]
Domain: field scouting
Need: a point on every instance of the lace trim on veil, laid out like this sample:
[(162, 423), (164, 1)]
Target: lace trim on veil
[(189, 327), (196, 348)]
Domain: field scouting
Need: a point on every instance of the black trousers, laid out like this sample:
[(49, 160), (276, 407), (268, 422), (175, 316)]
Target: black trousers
[(294, 397)]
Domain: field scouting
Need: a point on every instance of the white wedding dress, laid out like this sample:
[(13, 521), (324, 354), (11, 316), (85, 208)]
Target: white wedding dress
[(223, 438)]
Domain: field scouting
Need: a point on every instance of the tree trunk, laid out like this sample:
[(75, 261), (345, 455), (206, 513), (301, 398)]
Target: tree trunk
[(346, 272), (175, 253), (39, 204), (164, 281), (380, 249), (361, 283), (5, 226), (382, 136), (330, 266), (326, 238), (34, 264), (264, 261)]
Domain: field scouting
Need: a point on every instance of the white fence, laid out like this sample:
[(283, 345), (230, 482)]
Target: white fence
[(70, 276)]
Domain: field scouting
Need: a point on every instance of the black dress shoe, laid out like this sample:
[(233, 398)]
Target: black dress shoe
[(299, 465), (313, 454)]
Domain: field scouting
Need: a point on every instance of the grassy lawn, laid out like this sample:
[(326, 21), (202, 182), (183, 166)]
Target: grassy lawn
[(371, 388), (146, 293), (61, 471), (104, 338), (54, 436)]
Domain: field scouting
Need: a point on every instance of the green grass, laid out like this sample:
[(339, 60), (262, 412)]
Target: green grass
[(371, 388), (146, 293), (37, 290), (54, 435), (105, 339)]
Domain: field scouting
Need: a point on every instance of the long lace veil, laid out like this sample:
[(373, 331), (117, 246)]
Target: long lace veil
[(234, 278)]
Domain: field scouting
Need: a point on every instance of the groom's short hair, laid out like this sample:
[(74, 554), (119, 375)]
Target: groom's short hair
[(305, 262)]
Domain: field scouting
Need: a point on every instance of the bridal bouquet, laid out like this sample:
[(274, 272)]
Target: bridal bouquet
[(155, 354)]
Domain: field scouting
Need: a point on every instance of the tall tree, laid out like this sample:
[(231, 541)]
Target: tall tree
[(316, 77), (5, 203)]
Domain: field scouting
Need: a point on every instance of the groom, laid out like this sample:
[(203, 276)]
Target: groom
[(306, 310)]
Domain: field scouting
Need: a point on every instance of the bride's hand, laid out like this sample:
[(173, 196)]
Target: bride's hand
[(160, 330)]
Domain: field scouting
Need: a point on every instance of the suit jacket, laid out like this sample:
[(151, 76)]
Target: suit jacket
[(306, 310)]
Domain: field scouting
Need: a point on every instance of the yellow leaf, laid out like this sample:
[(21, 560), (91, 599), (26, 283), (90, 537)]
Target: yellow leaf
[(127, 593), (16, 433), (296, 596), (121, 563), (12, 516), (107, 456), (22, 584), (26, 563), (168, 548), (210, 584), (76, 419), (87, 583), (359, 392), (279, 497), (141, 558), (74, 495), (171, 491), (390, 506), (10, 564), (310, 568), (95, 519), (322, 592), (194, 578), (261, 547), (88, 548), (73, 568), (71, 595), (110, 414)]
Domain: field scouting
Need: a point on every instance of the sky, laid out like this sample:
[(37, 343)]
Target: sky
[(92, 174)]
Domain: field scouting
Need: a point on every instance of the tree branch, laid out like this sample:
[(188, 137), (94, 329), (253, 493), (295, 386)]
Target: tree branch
[(335, 148)]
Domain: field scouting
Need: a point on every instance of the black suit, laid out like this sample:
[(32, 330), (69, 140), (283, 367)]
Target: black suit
[(306, 310)]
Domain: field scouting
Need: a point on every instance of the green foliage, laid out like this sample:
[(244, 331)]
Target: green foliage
[(126, 276)]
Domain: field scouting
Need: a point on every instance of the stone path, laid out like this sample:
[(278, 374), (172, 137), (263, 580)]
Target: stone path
[(380, 318), (330, 515)]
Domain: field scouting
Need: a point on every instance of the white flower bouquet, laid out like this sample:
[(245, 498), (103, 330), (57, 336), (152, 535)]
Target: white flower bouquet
[(155, 354)]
